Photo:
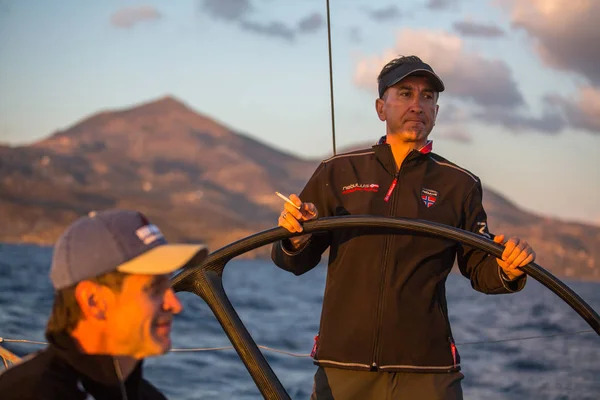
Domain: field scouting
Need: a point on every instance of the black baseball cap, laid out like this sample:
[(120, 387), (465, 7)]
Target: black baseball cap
[(401, 71)]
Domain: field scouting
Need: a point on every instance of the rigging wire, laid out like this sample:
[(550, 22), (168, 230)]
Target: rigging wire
[(331, 79), (526, 338), (306, 355)]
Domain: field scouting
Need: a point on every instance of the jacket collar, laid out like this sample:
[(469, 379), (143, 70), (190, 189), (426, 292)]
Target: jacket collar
[(383, 152), (426, 149), (99, 368)]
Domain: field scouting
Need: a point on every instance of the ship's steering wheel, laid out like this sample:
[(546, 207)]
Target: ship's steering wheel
[(205, 280)]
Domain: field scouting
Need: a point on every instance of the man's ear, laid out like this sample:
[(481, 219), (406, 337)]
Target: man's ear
[(379, 103), (92, 299)]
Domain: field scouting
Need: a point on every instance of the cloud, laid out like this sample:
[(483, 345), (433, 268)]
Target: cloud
[(559, 113), (273, 29), (127, 17), (451, 113), (311, 23), (441, 4), (468, 28), (583, 112), (228, 10), (459, 136), (549, 123), (468, 76), (565, 32), (451, 124), (355, 34), (388, 13), (482, 89), (237, 12)]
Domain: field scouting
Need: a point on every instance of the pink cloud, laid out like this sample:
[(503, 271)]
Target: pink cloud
[(565, 32), (467, 75), (583, 111), (127, 17)]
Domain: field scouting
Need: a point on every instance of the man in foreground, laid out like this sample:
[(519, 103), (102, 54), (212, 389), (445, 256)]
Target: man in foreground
[(385, 332), (113, 307)]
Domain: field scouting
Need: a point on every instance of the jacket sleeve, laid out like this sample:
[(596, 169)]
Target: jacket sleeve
[(307, 257), (149, 392), (33, 379), (481, 268)]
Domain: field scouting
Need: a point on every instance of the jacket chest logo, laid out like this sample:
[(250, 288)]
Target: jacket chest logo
[(360, 187), (429, 197)]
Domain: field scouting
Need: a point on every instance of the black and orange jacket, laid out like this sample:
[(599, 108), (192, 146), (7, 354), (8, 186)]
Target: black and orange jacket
[(385, 304)]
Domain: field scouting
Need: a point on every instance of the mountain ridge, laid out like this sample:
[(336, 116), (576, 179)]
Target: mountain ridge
[(201, 180)]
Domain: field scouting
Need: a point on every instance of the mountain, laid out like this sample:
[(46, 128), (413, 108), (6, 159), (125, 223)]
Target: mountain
[(202, 181), (196, 178), (567, 249)]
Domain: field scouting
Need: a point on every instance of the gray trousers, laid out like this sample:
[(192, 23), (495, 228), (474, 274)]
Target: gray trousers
[(340, 384)]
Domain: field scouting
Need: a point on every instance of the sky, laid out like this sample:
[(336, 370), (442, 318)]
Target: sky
[(521, 108)]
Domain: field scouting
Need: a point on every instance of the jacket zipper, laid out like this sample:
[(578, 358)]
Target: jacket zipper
[(120, 377), (391, 189), (383, 270)]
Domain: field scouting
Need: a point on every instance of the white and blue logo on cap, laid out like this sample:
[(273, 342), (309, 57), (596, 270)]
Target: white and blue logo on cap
[(149, 234)]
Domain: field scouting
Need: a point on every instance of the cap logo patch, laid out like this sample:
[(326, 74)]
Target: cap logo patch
[(149, 234)]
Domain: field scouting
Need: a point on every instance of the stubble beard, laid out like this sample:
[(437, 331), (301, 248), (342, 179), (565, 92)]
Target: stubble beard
[(413, 135)]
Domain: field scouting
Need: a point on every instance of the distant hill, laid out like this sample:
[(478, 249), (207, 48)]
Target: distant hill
[(202, 181), (197, 178)]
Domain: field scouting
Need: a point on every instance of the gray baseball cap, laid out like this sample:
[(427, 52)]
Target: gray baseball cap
[(116, 240)]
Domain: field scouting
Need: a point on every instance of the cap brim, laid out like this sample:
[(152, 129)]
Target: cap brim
[(165, 259), (438, 85)]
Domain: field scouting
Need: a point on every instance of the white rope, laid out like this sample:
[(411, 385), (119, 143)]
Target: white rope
[(287, 353), (176, 350), (527, 338), (21, 341), (202, 349)]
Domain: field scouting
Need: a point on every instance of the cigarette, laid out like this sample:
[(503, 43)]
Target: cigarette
[(286, 199)]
